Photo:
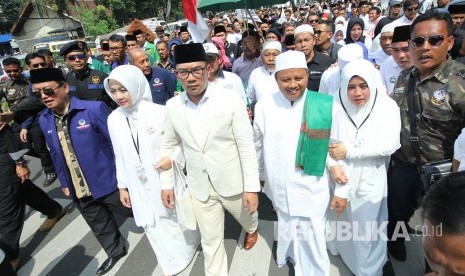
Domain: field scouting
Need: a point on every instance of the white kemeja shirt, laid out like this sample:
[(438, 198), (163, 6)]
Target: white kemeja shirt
[(389, 71), (228, 81), (261, 83), (195, 114)]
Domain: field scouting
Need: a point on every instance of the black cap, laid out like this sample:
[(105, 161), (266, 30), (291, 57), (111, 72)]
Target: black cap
[(276, 32), (191, 52), (130, 37), (219, 29), (76, 45), (46, 74), (456, 8), (105, 46), (401, 33), (183, 29), (137, 32)]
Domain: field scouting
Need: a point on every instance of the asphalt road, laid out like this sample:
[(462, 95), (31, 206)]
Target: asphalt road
[(71, 249)]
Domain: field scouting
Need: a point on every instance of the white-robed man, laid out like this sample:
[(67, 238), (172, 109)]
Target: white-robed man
[(292, 130), (261, 80), (216, 138)]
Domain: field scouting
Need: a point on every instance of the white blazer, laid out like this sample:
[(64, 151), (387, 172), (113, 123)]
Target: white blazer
[(227, 158)]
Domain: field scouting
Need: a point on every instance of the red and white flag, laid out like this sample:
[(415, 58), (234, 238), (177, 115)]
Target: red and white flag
[(198, 28)]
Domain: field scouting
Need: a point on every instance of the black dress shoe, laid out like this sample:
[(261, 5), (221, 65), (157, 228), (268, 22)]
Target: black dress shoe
[(397, 250), (109, 263)]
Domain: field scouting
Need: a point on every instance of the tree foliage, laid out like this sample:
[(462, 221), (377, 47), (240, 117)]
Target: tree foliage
[(97, 21), (10, 10), (105, 17)]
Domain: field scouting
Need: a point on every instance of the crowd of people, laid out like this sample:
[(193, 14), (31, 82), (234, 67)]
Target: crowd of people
[(331, 110)]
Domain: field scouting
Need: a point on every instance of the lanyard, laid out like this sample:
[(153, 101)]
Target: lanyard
[(352, 121), (136, 145)]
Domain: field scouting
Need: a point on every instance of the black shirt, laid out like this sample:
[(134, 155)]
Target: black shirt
[(316, 67)]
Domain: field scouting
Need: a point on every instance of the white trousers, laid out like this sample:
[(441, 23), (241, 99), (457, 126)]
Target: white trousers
[(210, 219), (301, 240)]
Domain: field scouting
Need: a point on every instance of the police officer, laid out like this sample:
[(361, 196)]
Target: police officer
[(84, 83), (439, 100), (15, 93)]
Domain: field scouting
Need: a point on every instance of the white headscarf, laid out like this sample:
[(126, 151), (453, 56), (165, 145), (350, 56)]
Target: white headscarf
[(341, 28), (365, 70), (135, 83)]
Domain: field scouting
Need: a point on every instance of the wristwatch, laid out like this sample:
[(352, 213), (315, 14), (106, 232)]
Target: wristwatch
[(21, 162)]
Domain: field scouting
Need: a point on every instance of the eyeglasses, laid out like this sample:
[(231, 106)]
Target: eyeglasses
[(318, 32), (196, 72), (74, 57), (46, 91), (12, 71), (115, 48), (433, 40), (412, 9), (39, 65), (313, 21)]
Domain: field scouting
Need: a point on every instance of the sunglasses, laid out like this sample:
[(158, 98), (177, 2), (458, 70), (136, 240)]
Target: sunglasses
[(313, 21), (433, 40), (46, 91), (74, 57), (39, 65), (318, 32), (412, 9), (12, 71)]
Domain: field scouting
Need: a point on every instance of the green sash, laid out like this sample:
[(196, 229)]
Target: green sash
[(314, 133)]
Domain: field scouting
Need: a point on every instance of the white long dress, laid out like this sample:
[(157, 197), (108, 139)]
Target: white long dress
[(173, 248), (301, 200), (368, 152)]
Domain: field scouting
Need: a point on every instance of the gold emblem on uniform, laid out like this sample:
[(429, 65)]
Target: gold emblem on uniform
[(439, 96), (95, 79)]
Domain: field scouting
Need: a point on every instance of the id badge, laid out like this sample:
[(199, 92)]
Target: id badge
[(141, 174)]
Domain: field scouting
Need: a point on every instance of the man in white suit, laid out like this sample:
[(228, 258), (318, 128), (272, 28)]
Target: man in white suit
[(215, 134)]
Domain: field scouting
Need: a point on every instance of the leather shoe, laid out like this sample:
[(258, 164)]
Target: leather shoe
[(109, 263), (50, 178), (397, 250), (250, 240), (50, 222)]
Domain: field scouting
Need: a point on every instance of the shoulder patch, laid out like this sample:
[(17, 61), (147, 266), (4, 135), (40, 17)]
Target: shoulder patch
[(95, 79)]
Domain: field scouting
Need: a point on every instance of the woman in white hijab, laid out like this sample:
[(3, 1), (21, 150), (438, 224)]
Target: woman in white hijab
[(339, 34), (136, 131), (368, 135)]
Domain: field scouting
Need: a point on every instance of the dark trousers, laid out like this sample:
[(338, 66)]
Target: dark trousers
[(404, 192), (99, 215), (37, 146), (13, 198)]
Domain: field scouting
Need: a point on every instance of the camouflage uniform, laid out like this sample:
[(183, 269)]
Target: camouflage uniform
[(440, 100), (14, 92)]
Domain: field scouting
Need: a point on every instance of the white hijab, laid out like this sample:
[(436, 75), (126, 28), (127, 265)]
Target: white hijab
[(341, 28), (367, 71), (146, 123), (135, 83)]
